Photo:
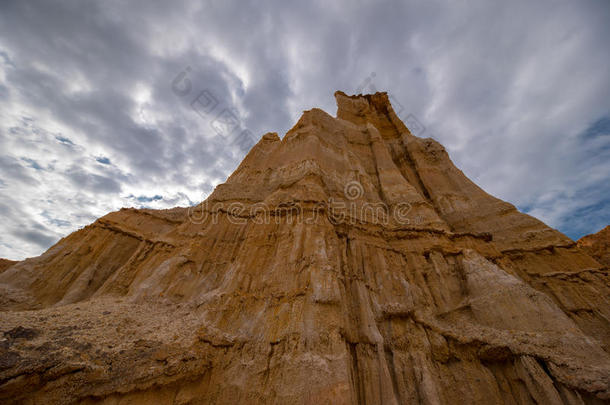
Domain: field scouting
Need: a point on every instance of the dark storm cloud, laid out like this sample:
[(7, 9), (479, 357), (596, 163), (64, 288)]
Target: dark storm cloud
[(105, 104), (36, 237), (94, 182), (13, 171), (601, 127), (32, 163)]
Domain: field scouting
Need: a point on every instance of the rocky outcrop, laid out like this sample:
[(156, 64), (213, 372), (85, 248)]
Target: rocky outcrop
[(5, 264), (597, 245), (348, 263)]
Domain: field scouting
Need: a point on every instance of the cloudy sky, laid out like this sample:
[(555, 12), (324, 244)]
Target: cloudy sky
[(152, 103)]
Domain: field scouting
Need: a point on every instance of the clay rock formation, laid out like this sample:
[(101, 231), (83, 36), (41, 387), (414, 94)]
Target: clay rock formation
[(597, 245), (348, 263), (5, 264)]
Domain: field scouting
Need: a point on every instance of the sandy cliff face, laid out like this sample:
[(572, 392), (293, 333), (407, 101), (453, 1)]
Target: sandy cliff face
[(597, 245), (5, 264), (348, 263)]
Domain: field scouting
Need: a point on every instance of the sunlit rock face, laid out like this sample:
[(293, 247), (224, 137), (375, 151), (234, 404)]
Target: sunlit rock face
[(597, 245), (348, 263)]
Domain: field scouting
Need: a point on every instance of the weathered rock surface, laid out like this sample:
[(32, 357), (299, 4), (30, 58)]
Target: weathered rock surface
[(597, 245), (5, 264), (348, 263)]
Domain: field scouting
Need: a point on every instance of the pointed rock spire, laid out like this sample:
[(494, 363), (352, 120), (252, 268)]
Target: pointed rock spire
[(349, 262)]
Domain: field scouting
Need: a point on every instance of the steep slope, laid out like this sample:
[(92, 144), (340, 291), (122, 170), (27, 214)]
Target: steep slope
[(597, 245), (349, 262), (5, 264)]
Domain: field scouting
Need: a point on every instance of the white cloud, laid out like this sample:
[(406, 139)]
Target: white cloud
[(516, 91)]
